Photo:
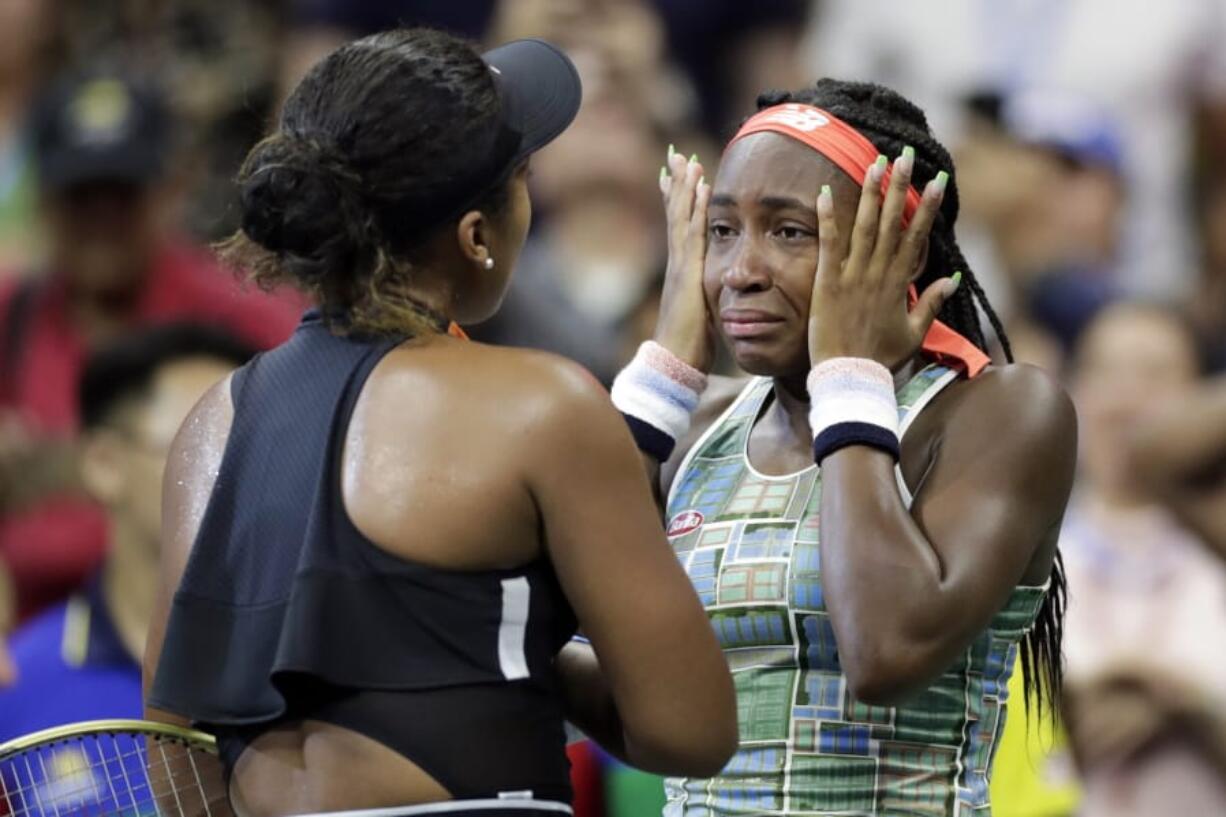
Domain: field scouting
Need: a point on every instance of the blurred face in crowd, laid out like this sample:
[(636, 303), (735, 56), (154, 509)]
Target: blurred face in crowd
[(103, 234), (25, 24), (122, 460), (1045, 208), (762, 248), (1213, 215), (1131, 360)]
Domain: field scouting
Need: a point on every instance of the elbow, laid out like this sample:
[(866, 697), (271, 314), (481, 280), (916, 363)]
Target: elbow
[(719, 749), (698, 745), (885, 676), (705, 757)]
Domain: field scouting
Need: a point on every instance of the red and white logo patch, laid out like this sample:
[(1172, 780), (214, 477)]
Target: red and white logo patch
[(685, 522), (800, 117)]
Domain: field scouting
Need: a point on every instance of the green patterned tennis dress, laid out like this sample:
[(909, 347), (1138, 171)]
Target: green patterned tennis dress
[(749, 543)]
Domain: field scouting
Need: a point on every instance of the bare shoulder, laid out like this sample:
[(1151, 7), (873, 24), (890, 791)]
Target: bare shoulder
[(210, 417), (1026, 399), (1016, 412), (191, 469), (514, 390), (542, 381)]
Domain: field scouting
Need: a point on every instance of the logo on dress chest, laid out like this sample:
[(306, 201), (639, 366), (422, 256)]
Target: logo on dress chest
[(685, 522)]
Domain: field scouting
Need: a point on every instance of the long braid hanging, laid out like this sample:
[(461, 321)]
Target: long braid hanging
[(891, 122)]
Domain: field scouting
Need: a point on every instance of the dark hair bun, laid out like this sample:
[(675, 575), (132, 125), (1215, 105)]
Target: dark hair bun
[(302, 205)]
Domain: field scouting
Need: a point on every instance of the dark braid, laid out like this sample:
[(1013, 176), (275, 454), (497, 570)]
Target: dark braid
[(891, 123)]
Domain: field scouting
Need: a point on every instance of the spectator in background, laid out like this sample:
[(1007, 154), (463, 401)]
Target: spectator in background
[(1157, 68), (1207, 306), (582, 288), (730, 50), (1145, 683), (23, 61), (218, 62), (116, 263), (80, 660), (1180, 455), (1043, 195), (318, 27)]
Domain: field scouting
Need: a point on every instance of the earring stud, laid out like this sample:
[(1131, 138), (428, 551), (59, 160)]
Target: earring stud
[(489, 263)]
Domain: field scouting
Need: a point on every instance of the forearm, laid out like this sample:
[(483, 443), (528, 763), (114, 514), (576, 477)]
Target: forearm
[(889, 599), (588, 698)]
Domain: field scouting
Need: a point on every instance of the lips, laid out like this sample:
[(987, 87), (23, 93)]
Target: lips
[(748, 323)]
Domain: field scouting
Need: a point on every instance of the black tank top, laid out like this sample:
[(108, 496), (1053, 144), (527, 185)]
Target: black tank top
[(286, 611)]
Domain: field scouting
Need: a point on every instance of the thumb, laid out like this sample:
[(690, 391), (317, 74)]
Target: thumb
[(931, 300)]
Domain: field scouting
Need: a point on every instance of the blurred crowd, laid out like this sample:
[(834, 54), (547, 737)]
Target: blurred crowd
[(1090, 143)]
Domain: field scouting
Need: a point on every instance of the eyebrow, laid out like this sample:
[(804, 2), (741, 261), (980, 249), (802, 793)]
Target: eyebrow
[(771, 202)]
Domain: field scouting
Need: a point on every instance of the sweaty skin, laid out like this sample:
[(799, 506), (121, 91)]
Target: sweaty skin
[(990, 461), (449, 441)]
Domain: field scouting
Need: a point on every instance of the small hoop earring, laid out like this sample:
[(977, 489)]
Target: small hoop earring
[(489, 263)]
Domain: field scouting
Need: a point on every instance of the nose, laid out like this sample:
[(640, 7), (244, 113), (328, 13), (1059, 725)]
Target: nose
[(747, 270)]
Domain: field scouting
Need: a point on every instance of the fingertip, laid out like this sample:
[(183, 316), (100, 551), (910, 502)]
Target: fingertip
[(825, 201), (875, 173)]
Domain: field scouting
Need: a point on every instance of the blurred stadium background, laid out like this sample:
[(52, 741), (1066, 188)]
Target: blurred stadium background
[(1090, 143)]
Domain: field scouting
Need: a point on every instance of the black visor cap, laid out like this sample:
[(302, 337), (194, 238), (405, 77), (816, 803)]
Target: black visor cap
[(540, 90)]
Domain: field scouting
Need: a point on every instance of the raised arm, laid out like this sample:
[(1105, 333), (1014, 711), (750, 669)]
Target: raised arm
[(684, 328), (662, 679), (909, 589)]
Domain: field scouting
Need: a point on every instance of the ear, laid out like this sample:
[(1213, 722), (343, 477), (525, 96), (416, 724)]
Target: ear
[(474, 233), (102, 467), (921, 262)]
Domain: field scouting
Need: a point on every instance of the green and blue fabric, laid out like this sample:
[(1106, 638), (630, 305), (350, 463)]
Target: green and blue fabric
[(749, 543)]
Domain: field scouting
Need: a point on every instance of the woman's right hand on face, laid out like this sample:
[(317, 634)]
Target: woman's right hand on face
[(684, 326)]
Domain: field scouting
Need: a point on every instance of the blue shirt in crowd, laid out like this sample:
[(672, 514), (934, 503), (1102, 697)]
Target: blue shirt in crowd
[(71, 666)]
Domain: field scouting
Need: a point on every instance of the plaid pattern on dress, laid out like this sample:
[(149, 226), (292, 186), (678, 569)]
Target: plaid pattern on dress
[(807, 747)]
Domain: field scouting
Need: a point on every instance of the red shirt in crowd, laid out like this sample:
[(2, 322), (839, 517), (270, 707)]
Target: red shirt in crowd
[(53, 545)]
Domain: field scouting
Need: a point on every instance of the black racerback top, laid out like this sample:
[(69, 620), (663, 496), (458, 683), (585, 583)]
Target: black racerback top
[(286, 611)]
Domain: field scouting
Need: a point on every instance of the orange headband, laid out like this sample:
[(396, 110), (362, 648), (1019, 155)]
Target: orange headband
[(854, 154)]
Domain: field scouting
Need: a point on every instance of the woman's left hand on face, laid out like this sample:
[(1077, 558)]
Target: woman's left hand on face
[(859, 302)]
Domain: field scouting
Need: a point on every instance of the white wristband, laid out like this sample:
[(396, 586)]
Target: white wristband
[(852, 402), (657, 392)]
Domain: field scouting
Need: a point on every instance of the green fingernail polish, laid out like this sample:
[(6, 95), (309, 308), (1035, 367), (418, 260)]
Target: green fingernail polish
[(663, 172), (908, 152), (940, 181), (957, 280), (702, 180), (826, 191), (693, 157), (671, 150), (882, 161)]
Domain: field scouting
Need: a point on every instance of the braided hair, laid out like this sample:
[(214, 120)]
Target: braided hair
[(891, 123), (380, 126)]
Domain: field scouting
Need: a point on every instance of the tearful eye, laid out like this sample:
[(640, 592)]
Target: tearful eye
[(792, 233)]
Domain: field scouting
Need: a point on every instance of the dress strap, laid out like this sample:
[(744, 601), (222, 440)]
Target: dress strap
[(913, 398)]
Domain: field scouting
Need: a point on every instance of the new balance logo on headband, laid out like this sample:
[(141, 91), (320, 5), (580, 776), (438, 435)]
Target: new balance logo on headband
[(802, 117)]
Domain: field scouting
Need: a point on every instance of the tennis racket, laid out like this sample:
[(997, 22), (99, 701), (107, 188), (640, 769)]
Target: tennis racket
[(113, 768)]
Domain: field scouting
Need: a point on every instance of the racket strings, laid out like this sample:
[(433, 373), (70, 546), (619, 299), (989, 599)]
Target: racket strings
[(113, 774)]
